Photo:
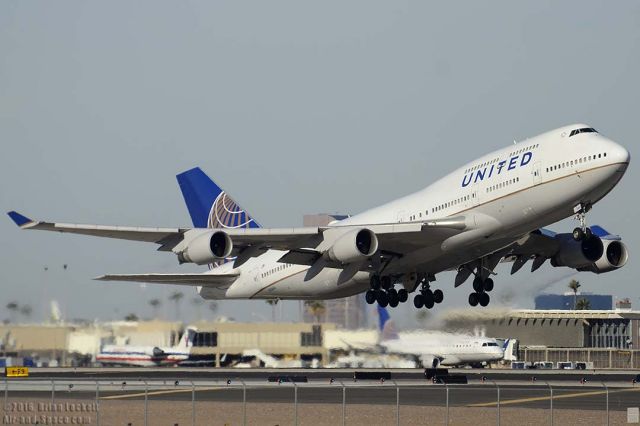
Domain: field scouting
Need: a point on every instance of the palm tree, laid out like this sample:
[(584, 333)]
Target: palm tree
[(316, 308), (176, 297), (574, 286), (26, 310), (272, 303), (131, 317), (155, 304), (12, 307), (583, 304), (213, 307), (197, 303)]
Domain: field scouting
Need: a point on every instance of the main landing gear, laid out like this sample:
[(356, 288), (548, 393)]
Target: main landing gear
[(582, 232), (481, 289), (382, 291), (427, 297)]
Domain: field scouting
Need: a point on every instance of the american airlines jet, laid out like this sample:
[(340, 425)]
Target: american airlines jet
[(489, 210)]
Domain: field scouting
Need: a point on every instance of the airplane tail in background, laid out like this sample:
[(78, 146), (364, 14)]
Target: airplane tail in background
[(209, 206), (386, 326), (186, 341)]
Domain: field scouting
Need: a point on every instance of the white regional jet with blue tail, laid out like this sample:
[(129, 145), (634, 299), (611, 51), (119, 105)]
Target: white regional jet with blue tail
[(490, 210)]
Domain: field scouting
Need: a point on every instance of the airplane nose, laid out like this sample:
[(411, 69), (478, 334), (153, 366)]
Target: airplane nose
[(620, 154)]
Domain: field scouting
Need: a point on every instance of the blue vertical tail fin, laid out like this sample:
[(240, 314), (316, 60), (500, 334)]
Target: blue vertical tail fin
[(386, 327), (208, 205)]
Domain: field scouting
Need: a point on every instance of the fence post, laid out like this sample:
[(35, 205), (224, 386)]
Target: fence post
[(295, 403), (446, 415), (606, 389), (6, 393), (193, 404), (244, 403), (397, 403), (146, 401), (97, 403), (550, 401), (498, 400), (53, 391), (344, 404)]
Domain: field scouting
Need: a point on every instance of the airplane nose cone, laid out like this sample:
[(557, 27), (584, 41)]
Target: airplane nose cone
[(619, 154)]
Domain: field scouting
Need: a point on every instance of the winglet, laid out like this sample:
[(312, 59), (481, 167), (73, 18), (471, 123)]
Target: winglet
[(19, 219)]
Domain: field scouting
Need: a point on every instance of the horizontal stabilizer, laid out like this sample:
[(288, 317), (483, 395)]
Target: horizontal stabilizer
[(205, 280)]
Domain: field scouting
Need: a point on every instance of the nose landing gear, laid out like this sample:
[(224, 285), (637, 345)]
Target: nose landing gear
[(582, 232)]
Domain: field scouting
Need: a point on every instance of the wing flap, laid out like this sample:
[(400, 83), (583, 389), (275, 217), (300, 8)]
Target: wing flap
[(205, 280)]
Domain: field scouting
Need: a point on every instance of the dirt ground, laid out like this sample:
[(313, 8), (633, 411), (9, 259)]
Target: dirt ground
[(170, 413)]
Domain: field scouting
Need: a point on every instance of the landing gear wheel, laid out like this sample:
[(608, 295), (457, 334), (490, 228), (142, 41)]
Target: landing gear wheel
[(483, 299), (403, 295), (393, 298), (473, 299), (418, 301), (578, 234), (488, 285), (428, 299), (370, 296), (438, 296), (383, 299), (587, 233), (478, 285), (386, 282), (374, 282)]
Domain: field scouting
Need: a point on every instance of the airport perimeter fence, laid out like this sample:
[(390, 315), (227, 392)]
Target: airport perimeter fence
[(332, 402)]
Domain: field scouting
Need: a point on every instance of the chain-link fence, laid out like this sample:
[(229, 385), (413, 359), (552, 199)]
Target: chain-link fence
[(332, 402)]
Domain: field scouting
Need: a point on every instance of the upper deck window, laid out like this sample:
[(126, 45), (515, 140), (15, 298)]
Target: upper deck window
[(583, 130)]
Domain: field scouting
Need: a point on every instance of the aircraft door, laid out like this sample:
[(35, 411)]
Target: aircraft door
[(537, 177)]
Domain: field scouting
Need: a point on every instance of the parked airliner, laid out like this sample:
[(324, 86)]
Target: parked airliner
[(451, 350), (490, 210), (148, 356)]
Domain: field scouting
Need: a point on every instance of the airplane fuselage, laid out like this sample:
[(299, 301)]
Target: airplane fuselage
[(510, 192)]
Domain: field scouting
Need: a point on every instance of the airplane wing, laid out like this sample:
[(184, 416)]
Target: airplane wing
[(205, 280), (393, 237)]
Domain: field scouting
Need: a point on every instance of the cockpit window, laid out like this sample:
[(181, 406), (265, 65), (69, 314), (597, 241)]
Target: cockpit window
[(583, 130)]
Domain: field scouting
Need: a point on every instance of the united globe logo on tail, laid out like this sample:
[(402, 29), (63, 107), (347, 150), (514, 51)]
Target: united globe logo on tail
[(226, 213)]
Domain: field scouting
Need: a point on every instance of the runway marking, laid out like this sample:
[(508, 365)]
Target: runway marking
[(161, 392), (546, 398)]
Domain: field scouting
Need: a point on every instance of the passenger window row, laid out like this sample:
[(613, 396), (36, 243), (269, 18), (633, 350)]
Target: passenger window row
[(503, 184), (525, 149), (575, 162), (278, 268), (495, 160)]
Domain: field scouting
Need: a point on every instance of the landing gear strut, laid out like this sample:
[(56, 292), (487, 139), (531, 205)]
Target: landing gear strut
[(582, 232)]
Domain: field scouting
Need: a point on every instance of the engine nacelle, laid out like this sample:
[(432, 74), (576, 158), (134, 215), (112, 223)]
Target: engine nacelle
[(157, 352), (593, 254), (354, 246), (615, 256), (207, 248), (577, 254)]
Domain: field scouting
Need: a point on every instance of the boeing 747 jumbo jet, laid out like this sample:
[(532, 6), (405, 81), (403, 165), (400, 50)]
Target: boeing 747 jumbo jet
[(490, 210)]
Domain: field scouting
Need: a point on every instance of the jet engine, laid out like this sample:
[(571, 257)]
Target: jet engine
[(590, 254), (207, 248), (353, 246), (157, 352)]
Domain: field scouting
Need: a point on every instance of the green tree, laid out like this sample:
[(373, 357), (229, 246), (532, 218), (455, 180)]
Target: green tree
[(213, 307), (574, 286), (316, 308), (26, 311), (583, 304), (176, 297), (12, 307), (155, 304), (197, 303), (272, 303), (131, 317)]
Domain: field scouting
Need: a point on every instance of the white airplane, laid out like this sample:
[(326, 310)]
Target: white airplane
[(442, 349), (148, 356), (488, 210)]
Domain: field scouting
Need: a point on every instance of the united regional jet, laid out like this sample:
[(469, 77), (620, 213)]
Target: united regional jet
[(490, 210)]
